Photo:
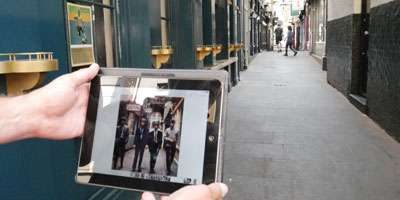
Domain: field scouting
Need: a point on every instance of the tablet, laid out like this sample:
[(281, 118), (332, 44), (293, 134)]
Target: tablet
[(154, 130)]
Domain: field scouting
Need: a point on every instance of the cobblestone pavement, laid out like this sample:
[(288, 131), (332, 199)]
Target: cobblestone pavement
[(291, 136)]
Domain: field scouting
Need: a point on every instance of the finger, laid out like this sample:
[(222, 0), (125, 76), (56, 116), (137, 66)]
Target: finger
[(83, 92), (82, 104), (218, 190), (148, 196), (84, 75), (164, 198)]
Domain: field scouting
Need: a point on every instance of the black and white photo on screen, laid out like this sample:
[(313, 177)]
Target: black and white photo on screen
[(147, 136)]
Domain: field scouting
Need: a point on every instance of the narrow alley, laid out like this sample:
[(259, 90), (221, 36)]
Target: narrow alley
[(291, 136), (321, 125)]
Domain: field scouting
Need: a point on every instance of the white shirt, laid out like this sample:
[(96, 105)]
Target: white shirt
[(171, 134)]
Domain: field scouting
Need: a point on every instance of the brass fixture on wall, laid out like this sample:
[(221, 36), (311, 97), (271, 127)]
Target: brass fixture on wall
[(203, 51), (238, 47), (161, 55), (25, 71), (231, 48), (217, 49)]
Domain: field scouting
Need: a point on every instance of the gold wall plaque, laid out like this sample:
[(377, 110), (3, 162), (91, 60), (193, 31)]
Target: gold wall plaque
[(82, 56)]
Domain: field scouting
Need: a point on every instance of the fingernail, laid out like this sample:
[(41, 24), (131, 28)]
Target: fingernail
[(224, 189), (148, 196)]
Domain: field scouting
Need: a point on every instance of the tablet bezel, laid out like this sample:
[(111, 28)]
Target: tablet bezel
[(195, 75)]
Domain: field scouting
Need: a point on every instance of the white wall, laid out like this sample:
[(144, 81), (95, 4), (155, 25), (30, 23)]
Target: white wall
[(375, 3), (342, 8)]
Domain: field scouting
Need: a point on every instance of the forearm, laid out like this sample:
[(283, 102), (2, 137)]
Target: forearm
[(17, 118)]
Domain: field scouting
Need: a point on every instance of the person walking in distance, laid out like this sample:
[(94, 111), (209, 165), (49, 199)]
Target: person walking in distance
[(141, 138), (121, 138), (289, 41), (278, 37), (171, 136), (154, 143)]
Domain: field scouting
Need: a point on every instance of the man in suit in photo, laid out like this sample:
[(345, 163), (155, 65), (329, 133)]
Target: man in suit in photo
[(154, 143), (141, 138), (121, 138)]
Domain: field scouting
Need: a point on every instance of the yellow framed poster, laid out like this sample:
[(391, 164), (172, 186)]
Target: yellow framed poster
[(80, 27)]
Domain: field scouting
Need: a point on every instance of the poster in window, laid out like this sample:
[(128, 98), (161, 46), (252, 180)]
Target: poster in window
[(80, 26)]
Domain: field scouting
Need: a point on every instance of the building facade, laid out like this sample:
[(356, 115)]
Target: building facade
[(316, 21), (362, 57), (383, 77)]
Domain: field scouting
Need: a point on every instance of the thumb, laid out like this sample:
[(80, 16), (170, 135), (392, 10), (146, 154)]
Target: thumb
[(148, 196), (84, 75), (218, 190)]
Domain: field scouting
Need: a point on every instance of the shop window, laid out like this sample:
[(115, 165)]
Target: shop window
[(159, 26), (321, 21), (101, 34)]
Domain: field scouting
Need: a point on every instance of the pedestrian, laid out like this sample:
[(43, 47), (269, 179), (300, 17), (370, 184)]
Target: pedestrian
[(42, 114), (171, 136), (289, 41), (154, 143), (141, 138), (278, 37), (121, 139)]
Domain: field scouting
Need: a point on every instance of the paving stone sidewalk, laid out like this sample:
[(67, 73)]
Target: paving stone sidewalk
[(291, 136)]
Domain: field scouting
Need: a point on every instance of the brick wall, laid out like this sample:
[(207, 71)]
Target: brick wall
[(384, 67)]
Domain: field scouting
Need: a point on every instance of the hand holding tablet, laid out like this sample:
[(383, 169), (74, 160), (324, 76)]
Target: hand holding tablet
[(154, 130), (214, 191)]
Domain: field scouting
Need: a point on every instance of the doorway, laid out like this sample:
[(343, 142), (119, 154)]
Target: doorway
[(364, 37), (359, 77)]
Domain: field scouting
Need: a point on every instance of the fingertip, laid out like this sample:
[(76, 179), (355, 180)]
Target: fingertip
[(94, 68), (84, 75), (218, 190), (164, 198), (224, 189), (148, 196)]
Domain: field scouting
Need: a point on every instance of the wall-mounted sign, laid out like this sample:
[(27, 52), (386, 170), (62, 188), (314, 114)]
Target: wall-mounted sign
[(298, 4), (132, 107), (80, 27), (293, 11)]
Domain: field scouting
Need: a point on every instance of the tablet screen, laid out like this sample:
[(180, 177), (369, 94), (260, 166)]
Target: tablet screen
[(147, 133)]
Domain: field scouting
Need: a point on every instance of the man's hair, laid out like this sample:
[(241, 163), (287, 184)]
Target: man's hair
[(173, 121), (290, 28), (156, 124), (122, 120)]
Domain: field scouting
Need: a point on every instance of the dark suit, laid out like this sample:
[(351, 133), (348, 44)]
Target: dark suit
[(141, 138), (121, 138), (154, 142)]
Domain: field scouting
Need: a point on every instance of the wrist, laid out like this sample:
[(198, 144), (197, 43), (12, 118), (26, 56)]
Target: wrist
[(34, 115), (28, 119), (17, 121)]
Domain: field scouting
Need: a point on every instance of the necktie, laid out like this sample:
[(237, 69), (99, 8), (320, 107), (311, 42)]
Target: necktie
[(155, 135)]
